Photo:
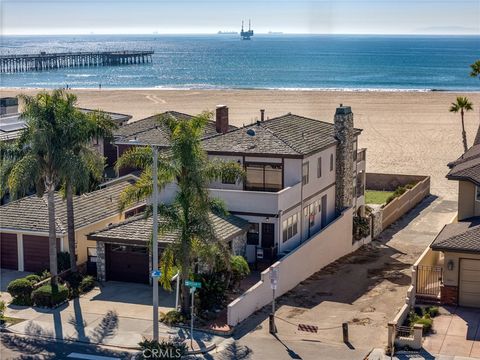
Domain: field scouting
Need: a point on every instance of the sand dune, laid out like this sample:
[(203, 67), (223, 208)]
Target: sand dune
[(405, 132)]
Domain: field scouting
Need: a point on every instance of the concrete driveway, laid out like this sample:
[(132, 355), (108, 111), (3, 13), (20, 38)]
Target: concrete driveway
[(456, 332), (6, 276)]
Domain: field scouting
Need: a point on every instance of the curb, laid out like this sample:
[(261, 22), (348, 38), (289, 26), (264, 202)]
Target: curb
[(203, 350), (209, 331)]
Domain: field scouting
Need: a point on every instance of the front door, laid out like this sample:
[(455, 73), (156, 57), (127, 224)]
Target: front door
[(268, 240)]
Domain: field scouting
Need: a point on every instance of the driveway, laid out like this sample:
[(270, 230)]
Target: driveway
[(6, 276), (456, 332)]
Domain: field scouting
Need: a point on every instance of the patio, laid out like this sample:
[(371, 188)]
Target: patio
[(456, 332)]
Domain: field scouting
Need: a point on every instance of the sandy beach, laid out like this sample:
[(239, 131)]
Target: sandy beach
[(404, 132)]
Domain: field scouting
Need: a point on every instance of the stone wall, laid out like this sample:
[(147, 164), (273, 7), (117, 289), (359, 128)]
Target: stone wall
[(239, 244), (377, 223), (101, 268)]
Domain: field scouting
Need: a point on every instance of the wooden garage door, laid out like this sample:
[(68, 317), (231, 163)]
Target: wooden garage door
[(127, 263), (8, 251), (469, 287), (36, 255)]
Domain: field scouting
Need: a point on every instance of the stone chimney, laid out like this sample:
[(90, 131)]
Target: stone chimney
[(221, 119), (343, 124), (262, 114)]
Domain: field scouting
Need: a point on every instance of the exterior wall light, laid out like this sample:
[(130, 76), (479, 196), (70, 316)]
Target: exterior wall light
[(450, 265)]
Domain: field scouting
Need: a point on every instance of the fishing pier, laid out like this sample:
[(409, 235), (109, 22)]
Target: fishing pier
[(48, 61)]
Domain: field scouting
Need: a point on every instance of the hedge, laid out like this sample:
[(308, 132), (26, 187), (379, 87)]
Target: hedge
[(46, 296), (21, 291)]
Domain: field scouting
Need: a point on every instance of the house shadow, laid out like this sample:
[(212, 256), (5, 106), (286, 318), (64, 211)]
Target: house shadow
[(471, 317)]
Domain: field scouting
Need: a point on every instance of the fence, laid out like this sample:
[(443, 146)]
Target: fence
[(429, 280), (331, 243)]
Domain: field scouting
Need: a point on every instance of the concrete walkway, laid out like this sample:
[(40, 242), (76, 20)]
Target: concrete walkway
[(365, 289), (115, 314)]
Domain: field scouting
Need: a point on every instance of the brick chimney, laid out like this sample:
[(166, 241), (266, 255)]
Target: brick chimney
[(262, 114), (221, 119), (343, 124)]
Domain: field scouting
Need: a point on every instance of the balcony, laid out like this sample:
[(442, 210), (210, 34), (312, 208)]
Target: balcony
[(259, 201)]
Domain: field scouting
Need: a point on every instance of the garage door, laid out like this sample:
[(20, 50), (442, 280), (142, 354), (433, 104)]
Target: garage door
[(469, 289), (127, 263), (8, 251), (35, 253)]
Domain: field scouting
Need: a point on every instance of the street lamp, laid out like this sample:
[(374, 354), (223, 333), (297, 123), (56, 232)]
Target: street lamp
[(155, 242)]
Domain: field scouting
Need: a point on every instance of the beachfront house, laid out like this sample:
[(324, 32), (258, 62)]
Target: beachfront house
[(449, 271), (300, 173)]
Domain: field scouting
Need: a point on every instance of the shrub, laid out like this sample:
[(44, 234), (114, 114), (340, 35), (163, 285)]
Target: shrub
[(33, 278), (21, 291), (239, 269), (212, 293), (432, 311), (361, 227), (48, 296), (87, 284), (45, 274), (427, 324), (172, 318), (2, 309), (173, 348), (63, 261)]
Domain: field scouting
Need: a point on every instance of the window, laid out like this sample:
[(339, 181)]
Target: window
[(331, 162), (92, 254), (478, 193), (263, 177), (319, 168), (290, 227), (354, 151), (253, 234), (305, 174)]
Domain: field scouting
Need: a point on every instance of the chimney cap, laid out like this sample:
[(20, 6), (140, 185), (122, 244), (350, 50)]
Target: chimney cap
[(343, 110), (221, 106)]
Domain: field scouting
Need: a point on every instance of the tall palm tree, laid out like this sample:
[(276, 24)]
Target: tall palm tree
[(84, 163), (187, 216), (46, 116), (475, 72), (462, 105)]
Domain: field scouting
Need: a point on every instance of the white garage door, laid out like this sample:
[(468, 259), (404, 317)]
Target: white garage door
[(469, 283)]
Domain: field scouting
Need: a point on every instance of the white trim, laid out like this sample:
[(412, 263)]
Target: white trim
[(26, 232), (21, 265)]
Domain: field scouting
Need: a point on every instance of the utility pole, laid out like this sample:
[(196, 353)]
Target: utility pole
[(273, 285), (155, 272)]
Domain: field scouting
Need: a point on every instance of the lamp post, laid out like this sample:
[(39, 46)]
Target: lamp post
[(155, 241)]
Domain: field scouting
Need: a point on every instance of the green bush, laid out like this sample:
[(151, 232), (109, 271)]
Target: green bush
[(212, 293), (399, 191), (63, 261), (87, 284), (239, 269), (45, 274), (48, 296), (21, 291), (2, 309), (432, 311), (33, 278), (173, 348), (361, 227), (427, 324), (172, 318)]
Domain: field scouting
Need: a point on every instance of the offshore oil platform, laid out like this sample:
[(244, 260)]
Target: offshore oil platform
[(246, 35)]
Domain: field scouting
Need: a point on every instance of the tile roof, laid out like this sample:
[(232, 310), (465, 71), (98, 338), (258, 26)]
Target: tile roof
[(462, 236), (31, 213), (285, 135), (467, 169), (117, 118), (138, 229), (148, 130)]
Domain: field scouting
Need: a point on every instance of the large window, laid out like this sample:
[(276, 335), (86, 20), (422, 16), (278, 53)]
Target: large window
[(264, 177), (253, 234), (319, 167), (477, 193), (290, 227), (305, 173)]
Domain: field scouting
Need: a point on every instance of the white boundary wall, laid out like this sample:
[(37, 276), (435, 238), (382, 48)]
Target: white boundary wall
[(328, 245)]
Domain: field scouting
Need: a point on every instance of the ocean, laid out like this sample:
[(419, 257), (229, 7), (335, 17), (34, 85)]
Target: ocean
[(287, 62)]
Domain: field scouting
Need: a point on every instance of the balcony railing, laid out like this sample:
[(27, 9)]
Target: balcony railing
[(259, 201)]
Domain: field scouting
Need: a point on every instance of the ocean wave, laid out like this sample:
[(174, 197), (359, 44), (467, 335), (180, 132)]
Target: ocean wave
[(81, 75)]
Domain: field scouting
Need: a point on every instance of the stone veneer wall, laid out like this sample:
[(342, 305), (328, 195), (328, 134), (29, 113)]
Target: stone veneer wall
[(101, 270), (239, 244), (343, 124), (449, 295)]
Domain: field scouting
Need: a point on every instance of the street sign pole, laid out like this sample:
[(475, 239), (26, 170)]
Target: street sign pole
[(192, 290), (155, 242)]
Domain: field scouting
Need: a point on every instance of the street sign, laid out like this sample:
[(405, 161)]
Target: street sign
[(308, 328), (193, 284), (156, 274)]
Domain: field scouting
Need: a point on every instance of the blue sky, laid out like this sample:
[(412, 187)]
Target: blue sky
[(289, 16)]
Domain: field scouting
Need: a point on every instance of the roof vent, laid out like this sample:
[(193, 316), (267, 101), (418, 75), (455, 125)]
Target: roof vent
[(251, 132)]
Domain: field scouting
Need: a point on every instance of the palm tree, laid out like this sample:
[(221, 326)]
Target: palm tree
[(85, 164), (475, 72), (43, 145), (463, 105), (188, 216)]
